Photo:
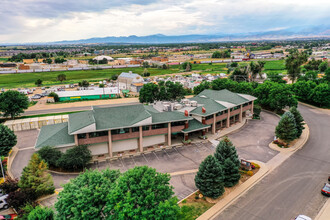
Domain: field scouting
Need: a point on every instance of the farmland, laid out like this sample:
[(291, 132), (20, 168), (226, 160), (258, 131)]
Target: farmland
[(49, 78)]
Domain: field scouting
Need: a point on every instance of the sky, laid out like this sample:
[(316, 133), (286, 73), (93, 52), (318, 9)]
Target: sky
[(24, 21)]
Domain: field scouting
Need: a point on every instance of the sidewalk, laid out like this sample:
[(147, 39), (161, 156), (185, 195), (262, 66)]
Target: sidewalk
[(234, 195), (324, 214)]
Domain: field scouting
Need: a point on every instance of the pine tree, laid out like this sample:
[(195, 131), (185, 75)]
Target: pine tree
[(224, 150), (35, 176), (231, 173), (209, 178), (299, 120), (286, 129)]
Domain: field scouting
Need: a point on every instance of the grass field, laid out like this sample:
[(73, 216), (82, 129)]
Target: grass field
[(21, 80), (49, 78), (3, 59)]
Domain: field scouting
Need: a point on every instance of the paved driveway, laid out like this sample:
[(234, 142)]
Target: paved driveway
[(253, 139), (294, 187), (25, 143)]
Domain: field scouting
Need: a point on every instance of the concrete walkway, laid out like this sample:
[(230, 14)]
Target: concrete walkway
[(324, 214)]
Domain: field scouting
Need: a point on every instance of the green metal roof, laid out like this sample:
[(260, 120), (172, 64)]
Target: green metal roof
[(195, 125), (54, 135), (162, 117), (119, 117), (149, 108), (210, 106), (80, 120), (223, 95)]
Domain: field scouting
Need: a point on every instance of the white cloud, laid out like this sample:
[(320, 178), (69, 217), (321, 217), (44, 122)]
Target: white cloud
[(44, 20)]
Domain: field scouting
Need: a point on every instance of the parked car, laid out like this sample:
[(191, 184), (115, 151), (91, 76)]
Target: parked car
[(3, 203), (8, 217), (326, 189), (36, 96), (302, 217)]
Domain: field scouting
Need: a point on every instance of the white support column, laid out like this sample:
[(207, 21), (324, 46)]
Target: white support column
[(214, 123), (140, 139), (169, 135), (110, 144), (241, 114), (252, 108), (76, 139), (228, 119)]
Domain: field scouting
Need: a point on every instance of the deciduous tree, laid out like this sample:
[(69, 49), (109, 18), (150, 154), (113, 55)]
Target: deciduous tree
[(142, 193), (75, 158), (41, 213), (13, 103), (85, 196), (293, 63), (61, 77)]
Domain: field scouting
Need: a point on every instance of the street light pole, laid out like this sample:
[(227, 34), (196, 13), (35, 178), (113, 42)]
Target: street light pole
[(3, 174)]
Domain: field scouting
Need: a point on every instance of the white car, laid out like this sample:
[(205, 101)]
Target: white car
[(302, 217), (3, 203)]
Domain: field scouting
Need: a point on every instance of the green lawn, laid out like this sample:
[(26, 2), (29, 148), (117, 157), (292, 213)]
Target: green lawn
[(49, 78), (21, 80), (3, 59)]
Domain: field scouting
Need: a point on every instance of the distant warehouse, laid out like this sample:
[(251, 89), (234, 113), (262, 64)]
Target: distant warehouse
[(93, 93)]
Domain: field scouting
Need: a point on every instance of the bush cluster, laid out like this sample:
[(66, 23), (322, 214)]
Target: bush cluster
[(73, 159)]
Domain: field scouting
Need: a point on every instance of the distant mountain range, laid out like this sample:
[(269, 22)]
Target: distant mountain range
[(301, 32), (322, 31)]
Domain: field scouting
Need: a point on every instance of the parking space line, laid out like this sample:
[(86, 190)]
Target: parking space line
[(133, 160), (155, 155), (145, 158)]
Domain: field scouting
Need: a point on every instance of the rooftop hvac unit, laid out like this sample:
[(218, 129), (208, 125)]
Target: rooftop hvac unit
[(187, 104), (167, 108), (166, 103), (193, 103), (177, 106), (185, 101)]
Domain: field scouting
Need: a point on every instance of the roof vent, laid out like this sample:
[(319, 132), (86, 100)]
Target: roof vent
[(203, 110)]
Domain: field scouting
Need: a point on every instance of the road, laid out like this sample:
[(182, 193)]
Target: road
[(72, 109), (294, 187)]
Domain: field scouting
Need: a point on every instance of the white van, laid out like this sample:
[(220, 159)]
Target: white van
[(3, 203)]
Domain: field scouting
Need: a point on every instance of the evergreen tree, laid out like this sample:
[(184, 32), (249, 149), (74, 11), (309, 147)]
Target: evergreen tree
[(224, 150), (210, 179), (299, 120), (36, 177), (8, 140), (286, 129), (231, 173)]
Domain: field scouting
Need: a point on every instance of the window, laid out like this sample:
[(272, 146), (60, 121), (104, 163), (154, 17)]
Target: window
[(245, 104), (145, 128), (81, 136), (158, 126), (98, 134), (178, 123), (135, 129), (219, 113), (116, 131), (231, 109), (208, 117), (226, 111)]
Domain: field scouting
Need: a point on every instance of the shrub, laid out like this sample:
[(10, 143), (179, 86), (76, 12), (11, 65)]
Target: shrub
[(255, 165), (256, 111), (184, 201), (55, 96), (20, 198), (10, 185), (75, 158), (50, 155), (41, 213), (250, 173)]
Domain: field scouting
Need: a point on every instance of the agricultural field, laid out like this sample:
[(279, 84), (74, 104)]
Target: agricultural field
[(22, 80), (3, 59)]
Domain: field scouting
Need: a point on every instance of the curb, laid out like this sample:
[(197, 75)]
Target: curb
[(11, 158), (303, 138), (237, 193), (65, 173), (270, 112), (184, 172)]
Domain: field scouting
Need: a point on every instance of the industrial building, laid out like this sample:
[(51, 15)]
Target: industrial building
[(117, 131), (90, 93)]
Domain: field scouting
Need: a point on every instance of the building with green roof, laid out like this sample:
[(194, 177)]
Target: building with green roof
[(115, 131)]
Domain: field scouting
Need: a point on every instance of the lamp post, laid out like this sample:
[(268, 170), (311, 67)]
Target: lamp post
[(3, 174)]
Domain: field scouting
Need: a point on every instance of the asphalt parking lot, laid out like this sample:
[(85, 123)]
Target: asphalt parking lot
[(251, 142)]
